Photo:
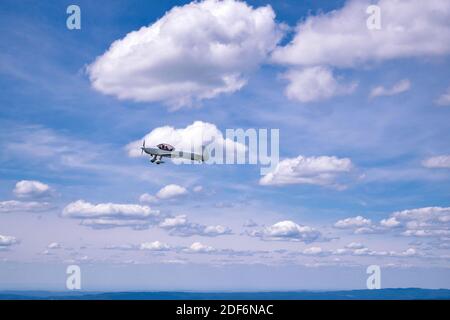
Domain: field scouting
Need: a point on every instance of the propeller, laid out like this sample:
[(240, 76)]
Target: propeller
[(143, 147)]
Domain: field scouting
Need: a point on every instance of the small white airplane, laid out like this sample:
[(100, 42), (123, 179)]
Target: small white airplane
[(166, 150)]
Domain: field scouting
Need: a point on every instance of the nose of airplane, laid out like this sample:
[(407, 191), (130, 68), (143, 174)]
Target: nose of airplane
[(143, 147)]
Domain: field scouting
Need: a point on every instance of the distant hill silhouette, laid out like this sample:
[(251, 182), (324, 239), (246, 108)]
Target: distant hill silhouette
[(383, 294)]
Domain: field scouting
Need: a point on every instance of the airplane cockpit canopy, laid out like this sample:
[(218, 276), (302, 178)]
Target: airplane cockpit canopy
[(165, 147)]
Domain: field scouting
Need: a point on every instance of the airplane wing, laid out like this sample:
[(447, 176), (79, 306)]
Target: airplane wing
[(189, 155)]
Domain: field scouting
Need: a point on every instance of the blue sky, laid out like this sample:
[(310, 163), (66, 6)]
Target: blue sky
[(378, 100)]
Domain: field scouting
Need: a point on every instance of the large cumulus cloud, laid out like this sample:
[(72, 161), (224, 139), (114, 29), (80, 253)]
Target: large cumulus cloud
[(193, 52)]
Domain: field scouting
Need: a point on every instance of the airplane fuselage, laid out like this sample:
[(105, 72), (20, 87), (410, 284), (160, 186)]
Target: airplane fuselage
[(157, 154)]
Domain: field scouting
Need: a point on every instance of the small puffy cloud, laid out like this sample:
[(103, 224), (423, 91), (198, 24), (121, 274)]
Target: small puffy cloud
[(444, 99), (190, 138), (390, 222), (181, 226), (170, 191), (10, 206), (437, 162), (216, 230), (173, 222), (194, 52), (288, 231), (31, 189), (355, 245), (340, 37), (314, 84), (198, 247), (154, 246), (353, 223), (148, 198), (54, 245), (109, 215), (7, 241), (324, 171), (409, 252), (314, 251), (400, 87)]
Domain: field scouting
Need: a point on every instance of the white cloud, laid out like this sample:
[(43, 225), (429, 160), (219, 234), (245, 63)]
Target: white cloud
[(390, 222), (429, 222), (171, 191), (313, 251), (437, 162), (359, 250), (437, 214), (198, 247), (83, 209), (181, 226), (191, 138), (109, 215), (31, 188), (124, 247), (314, 84), (355, 245), (54, 245), (193, 52), (288, 230), (368, 230), (23, 206), (444, 99), (367, 252), (107, 223), (426, 233), (340, 38), (154, 246), (180, 220), (409, 252), (7, 241), (420, 222), (148, 198), (400, 87), (363, 251), (354, 222), (216, 230), (341, 251), (168, 192), (322, 170)]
